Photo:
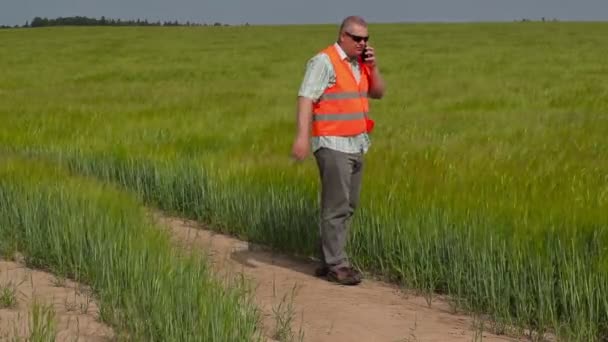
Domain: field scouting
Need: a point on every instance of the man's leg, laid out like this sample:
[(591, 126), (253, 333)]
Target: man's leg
[(355, 191), (337, 170), (355, 181)]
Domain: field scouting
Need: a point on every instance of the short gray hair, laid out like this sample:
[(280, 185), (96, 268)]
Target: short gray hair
[(352, 20)]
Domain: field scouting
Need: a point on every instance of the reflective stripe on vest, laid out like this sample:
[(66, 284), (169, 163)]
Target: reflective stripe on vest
[(342, 108), (338, 117), (343, 96)]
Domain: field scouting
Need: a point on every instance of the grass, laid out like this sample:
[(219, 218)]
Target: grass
[(486, 179), (284, 315), (43, 324), (99, 236), (8, 296)]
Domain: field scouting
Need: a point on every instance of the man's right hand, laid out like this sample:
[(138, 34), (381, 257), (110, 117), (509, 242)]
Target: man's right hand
[(300, 148)]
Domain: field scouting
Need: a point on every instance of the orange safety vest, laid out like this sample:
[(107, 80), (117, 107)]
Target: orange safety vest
[(342, 109)]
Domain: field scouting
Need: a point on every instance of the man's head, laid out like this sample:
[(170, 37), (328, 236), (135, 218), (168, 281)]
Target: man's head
[(353, 35)]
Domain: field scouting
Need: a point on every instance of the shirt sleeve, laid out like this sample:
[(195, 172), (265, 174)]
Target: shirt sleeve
[(316, 78)]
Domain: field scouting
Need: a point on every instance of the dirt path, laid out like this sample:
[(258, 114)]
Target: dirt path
[(64, 302), (324, 311)]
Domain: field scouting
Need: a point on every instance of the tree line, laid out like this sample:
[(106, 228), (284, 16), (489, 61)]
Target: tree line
[(103, 21)]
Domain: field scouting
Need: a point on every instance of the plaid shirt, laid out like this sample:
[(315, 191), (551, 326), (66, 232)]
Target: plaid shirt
[(319, 76)]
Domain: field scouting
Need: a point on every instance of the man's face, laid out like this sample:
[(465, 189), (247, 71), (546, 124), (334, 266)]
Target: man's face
[(354, 39)]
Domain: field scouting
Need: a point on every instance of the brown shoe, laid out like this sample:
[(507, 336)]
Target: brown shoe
[(322, 271), (344, 276)]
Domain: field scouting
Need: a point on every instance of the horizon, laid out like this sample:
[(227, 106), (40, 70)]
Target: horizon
[(277, 12), (211, 23)]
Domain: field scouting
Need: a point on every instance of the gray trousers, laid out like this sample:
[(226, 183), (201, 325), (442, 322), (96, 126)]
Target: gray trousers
[(340, 188)]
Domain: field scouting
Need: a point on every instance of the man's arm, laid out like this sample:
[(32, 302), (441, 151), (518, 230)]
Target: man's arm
[(304, 117), (315, 81), (377, 86)]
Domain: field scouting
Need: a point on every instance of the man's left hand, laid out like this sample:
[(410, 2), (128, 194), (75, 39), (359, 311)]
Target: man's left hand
[(370, 60)]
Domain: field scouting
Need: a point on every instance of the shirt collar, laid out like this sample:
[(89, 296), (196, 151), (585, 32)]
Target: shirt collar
[(341, 52)]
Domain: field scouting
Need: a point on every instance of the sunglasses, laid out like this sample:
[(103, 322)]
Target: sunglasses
[(357, 39)]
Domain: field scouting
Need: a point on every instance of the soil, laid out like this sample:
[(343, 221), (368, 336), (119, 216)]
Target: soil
[(76, 313), (295, 305), (321, 310)]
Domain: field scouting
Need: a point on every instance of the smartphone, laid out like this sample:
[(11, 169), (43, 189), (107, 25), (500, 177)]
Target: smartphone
[(364, 54)]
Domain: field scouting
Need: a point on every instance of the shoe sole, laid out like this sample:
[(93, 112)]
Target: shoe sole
[(352, 282)]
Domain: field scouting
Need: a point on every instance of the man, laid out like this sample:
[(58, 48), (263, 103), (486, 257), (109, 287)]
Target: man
[(333, 104)]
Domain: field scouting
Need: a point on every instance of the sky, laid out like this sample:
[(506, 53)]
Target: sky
[(254, 12)]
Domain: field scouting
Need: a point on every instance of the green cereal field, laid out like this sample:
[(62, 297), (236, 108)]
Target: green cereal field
[(487, 179)]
